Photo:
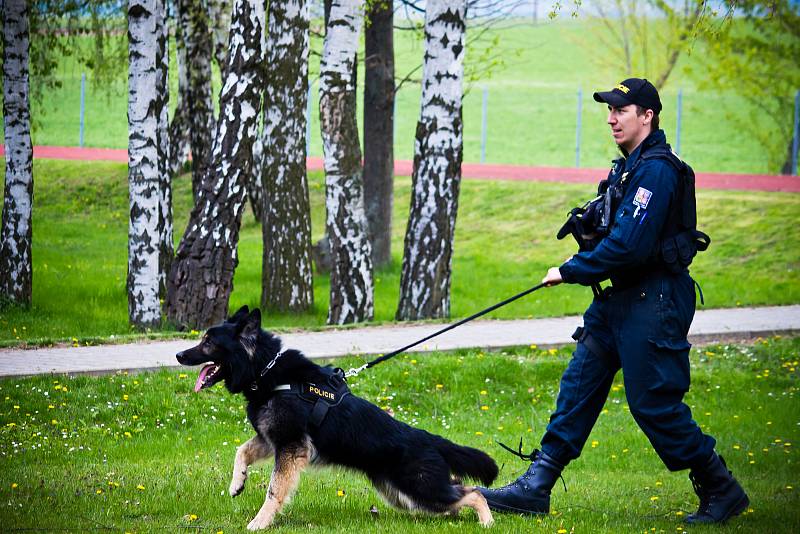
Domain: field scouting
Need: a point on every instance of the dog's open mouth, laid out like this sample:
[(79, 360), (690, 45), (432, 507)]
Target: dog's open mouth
[(209, 375)]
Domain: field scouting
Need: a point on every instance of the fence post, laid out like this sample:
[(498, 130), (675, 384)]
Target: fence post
[(483, 124), (796, 132), (678, 123), (578, 129), (83, 107), (308, 119)]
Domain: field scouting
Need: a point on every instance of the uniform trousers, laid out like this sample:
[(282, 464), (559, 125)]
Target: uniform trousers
[(642, 330)]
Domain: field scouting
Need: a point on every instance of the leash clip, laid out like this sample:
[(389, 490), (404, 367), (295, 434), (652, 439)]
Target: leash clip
[(355, 370)]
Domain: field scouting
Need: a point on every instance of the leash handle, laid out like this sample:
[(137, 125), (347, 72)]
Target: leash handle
[(354, 371)]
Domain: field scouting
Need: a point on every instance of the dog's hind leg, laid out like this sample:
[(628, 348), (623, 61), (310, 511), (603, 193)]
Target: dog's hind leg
[(254, 449), (289, 463), (473, 499)]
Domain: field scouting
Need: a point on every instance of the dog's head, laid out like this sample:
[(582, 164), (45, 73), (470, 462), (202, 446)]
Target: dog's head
[(234, 351)]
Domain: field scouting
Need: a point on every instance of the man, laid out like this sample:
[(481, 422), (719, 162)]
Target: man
[(640, 323)]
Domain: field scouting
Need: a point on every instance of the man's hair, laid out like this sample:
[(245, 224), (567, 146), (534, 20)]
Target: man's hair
[(654, 123)]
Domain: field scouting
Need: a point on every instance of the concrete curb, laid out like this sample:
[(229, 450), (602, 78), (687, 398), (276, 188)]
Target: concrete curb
[(719, 325)]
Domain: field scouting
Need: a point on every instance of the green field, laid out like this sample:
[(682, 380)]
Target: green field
[(532, 104), (504, 244), (143, 453)]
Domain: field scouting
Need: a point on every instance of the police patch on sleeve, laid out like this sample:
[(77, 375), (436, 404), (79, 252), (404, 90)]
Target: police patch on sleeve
[(642, 198)]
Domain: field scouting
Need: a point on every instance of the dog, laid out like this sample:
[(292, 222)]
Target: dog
[(303, 414)]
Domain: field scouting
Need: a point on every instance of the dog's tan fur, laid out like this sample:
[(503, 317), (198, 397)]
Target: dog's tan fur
[(253, 450), (282, 484)]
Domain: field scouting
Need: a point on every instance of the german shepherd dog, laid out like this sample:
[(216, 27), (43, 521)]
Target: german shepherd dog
[(410, 468)]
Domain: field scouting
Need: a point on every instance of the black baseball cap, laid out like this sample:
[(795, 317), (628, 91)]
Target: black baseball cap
[(632, 91)]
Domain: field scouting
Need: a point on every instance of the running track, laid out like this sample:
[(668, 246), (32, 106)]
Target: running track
[(705, 180)]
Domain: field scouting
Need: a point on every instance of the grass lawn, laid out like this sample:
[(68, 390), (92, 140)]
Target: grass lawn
[(504, 243), (532, 103), (143, 453)]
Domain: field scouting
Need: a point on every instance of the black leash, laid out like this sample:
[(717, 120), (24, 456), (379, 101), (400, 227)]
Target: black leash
[(355, 370)]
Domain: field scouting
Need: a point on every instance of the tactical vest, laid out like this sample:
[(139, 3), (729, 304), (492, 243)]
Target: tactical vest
[(323, 395), (680, 239)]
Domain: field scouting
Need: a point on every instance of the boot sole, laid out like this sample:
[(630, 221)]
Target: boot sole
[(740, 507), (505, 508)]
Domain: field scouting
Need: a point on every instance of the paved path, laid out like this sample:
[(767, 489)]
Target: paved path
[(709, 325), (705, 180)]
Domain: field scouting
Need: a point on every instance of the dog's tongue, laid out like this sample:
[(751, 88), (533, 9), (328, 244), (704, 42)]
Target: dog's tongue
[(201, 378)]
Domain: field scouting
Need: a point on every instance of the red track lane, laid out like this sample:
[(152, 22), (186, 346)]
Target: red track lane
[(705, 180)]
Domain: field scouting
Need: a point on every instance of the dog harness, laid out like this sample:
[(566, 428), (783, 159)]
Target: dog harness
[(323, 396)]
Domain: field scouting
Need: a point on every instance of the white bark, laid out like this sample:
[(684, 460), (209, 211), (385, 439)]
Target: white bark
[(287, 271), (16, 272), (219, 14), (144, 178), (166, 247), (351, 294), (425, 277), (201, 279)]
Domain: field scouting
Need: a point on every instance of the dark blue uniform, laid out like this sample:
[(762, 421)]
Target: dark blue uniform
[(640, 325)]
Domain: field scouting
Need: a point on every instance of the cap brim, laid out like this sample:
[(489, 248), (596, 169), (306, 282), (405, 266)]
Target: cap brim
[(612, 98)]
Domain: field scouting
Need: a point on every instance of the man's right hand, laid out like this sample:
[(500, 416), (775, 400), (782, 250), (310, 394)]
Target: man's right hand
[(553, 277)]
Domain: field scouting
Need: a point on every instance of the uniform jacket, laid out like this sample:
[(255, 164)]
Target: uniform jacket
[(630, 248)]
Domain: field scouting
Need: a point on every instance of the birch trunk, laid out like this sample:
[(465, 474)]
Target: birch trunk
[(427, 258), (219, 13), (351, 294), (201, 279), (287, 272), (16, 272), (200, 107), (144, 179), (379, 129), (166, 247), (179, 125)]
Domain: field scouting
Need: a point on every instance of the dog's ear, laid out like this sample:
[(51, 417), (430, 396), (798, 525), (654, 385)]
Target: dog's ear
[(240, 314), (250, 326)]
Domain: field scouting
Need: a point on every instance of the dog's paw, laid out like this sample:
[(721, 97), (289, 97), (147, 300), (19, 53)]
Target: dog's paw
[(235, 489), (486, 523), (260, 521)]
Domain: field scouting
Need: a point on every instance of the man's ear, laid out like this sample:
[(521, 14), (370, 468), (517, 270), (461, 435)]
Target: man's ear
[(239, 315), (647, 117), (250, 325)]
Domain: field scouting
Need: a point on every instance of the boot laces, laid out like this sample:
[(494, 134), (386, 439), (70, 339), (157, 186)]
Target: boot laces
[(530, 457), (702, 491)]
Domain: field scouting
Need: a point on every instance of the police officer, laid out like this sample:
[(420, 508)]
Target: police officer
[(639, 324)]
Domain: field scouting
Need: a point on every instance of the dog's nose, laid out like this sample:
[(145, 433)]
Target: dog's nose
[(179, 356)]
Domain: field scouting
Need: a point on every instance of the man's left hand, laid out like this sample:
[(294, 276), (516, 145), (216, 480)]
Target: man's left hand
[(553, 277)]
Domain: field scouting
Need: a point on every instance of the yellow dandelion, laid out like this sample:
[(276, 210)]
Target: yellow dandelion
[(183, 375), (654, 498), (127, 434), (140, 487), (562, 531), (484, 407), (595, 443), (99, 491), (679, 513), (439, 386), (413, 361), (533, 347), (484, 392), (340, 493), (53, 422), (478, 433), (789, 487), (124, 397), (14, 485)]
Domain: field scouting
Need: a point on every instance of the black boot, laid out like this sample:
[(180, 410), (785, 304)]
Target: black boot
[(530, 493), (721, 496)]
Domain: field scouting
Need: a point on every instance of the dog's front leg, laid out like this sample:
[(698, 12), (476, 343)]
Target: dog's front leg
[(254, 449), (285, 476)]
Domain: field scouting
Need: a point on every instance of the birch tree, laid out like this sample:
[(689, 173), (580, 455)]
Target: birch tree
[(351, 294), (201, 279), (180, 124), (436, 178), (199, 106), (165, 244), (146, 159), (287, 272), (16, 272), (379, 128)]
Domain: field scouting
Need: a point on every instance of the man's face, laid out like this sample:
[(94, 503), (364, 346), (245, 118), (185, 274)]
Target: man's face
[(627, 128)]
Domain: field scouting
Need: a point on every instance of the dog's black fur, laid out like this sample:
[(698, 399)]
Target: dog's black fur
[(411, 468)]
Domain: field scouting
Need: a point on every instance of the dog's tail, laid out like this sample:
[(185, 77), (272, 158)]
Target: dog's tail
[(468, 462)]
